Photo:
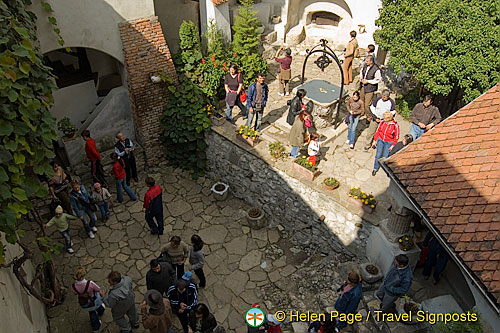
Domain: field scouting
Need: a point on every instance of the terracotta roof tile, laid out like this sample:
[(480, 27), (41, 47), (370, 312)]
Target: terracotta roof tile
[(453, 173)]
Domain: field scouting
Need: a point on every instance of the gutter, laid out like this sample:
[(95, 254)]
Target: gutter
[(441, 239)]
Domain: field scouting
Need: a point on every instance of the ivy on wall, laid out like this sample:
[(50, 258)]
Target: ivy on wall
[(185, 122), (26, 132)]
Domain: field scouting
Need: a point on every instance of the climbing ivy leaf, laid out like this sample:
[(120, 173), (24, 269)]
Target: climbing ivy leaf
[(5, 127), (10, 74), (25, 67), (19, 194)]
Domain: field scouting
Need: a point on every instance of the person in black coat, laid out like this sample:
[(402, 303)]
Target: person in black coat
[(407, 139), (201, 320), (160, 277), (295, 106), (183, 298)]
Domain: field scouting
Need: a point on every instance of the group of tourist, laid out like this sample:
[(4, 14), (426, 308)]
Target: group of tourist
[(169, 290)]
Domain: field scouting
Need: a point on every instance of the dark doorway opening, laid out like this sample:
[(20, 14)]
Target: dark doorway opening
[(325, 18)]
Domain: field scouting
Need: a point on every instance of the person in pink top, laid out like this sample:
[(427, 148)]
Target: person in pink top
[(386, 137), (88, 292)]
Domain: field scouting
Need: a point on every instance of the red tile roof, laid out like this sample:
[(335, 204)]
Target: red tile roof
[(219, 2), (453, 173)]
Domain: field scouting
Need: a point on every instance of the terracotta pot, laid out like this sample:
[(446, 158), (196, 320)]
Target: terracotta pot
[(304, 172), (330, 188), (217, 119), (250, 141)]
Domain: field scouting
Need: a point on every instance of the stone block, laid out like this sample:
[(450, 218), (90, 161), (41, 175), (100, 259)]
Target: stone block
[(381, 251), (296, 35)]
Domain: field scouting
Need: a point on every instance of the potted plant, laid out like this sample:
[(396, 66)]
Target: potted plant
[(307, 169), (256, 218), (220, 191), (406, 242), (370, 273), (247, 134), (65, 126), (410, 307), (362, 199), (217, 119), (331, 183), (277, 150)]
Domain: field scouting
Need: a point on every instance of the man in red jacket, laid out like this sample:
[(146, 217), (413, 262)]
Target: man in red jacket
[(154, 207), (95, 159)]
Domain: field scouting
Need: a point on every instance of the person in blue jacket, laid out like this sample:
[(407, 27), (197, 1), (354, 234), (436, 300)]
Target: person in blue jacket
[(351, 293), (83, 206), (396, 283), (256, 101)]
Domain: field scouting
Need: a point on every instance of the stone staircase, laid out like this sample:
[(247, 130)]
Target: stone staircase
[(82, 170)]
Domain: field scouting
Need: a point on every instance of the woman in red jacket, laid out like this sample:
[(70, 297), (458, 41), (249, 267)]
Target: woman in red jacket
[(119, 172), (385, 138), (95, 159)]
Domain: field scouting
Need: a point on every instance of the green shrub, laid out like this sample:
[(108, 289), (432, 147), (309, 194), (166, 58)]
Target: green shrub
[(65, 126), (406, 103), (185, 122), (214, 42), (189, 47), (277, 150), (246, 41)]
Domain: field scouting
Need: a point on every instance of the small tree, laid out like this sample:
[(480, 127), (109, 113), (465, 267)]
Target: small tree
[(189, 45), (450, 47), (246, 41), (214, 41)]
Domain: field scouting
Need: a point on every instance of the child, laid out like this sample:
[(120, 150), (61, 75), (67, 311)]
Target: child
[(197, 259), (101, 196), (119, 172), (273, 324), (313, 147), (61, 221)]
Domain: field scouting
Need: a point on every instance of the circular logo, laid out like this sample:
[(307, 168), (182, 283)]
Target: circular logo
[(255, 317)]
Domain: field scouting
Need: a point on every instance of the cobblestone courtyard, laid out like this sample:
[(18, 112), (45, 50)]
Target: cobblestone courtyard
[(243, 266), (275, 267)]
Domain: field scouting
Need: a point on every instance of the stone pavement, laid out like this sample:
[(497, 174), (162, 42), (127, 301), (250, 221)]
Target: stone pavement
[(243, 266)]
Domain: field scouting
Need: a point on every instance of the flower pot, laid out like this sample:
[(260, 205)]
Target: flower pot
[(249, 140), (406, 247), (217, 119), (358, 203), (304, 172), (256, 218), (69, 135), (330, 187), (275, 19), (370, 273), (220, 191)]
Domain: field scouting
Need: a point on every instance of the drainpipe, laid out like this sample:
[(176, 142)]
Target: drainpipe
[(438, 235)]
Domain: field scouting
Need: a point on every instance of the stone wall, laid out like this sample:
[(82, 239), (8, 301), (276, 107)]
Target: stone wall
[(294, 204), (146, 52)]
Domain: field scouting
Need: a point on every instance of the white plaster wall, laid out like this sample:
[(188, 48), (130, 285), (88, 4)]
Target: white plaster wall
[(353, 13), (18, 311), (75, 102), (221, 15), (171, 13), (89, 23)]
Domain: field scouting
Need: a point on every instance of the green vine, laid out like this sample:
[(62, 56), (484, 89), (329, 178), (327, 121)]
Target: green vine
[(52, 20), (185, 122), (26, 126)]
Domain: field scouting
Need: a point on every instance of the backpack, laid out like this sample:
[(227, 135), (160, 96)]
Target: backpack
[(84, 299)]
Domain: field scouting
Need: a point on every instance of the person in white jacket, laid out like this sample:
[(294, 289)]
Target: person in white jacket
[(313, 147)]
